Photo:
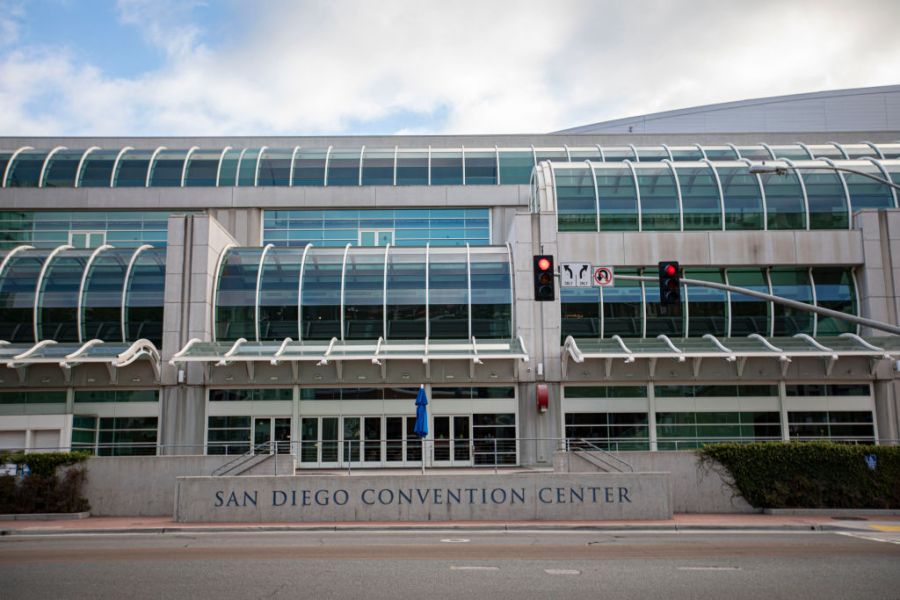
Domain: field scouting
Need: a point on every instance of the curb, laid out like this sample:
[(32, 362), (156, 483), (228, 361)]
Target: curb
[(670, 528), (832, 512), (46, 516)]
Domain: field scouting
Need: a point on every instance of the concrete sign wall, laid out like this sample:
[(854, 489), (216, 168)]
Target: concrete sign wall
[(519, 496)]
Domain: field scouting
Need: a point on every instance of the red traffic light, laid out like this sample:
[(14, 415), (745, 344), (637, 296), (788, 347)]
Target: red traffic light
[(671, 270), (543, 264)]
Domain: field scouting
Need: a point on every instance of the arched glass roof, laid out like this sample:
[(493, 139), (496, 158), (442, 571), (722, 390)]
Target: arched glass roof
[(710, 195), (364, 293), (364, 166), (70, 295)]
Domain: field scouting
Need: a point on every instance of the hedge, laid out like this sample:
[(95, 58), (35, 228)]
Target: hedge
[(46, 489), (809, 474)]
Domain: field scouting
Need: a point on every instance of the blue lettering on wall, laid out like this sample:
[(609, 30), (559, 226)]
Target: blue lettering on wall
[(365, 494), (543, 500)]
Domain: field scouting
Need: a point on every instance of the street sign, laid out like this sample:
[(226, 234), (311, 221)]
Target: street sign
[(603, 276), (575, 275)]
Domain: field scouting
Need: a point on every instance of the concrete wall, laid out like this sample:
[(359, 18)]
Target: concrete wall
[(145, 485), (695, 489), (432, 497)]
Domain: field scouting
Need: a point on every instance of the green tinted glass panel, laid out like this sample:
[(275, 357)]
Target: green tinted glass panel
[(236, 297), (575, 200), (742, 197), (784, 201), (699, 198), (749, 314), (827, 200), (659, 199), (623, 308), (707, 307), (25, 171), (617, 199), (516, 166), (834, 290), (792, 284), (251, 395)]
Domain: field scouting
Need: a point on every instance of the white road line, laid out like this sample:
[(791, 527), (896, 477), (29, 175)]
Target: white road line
[(455, 540), (562, 572), (455, 568), (709, 568), (867, 537)]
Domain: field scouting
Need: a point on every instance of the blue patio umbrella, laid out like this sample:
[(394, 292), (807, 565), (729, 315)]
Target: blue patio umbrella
[(421, 428)]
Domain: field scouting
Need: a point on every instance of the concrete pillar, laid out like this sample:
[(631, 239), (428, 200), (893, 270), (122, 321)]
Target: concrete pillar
[(196, 243)]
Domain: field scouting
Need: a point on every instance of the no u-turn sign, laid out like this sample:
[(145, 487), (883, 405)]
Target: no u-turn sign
[(603, 276)]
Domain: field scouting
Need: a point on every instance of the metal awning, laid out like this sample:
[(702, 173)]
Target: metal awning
[(114, 355), (736, 350), (323, 352)]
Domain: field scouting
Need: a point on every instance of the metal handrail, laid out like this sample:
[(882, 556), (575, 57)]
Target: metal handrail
[(604, 455), (247, 457), (496, 446)]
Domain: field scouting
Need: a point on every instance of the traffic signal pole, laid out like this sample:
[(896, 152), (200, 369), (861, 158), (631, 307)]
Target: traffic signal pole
[(827, 312)]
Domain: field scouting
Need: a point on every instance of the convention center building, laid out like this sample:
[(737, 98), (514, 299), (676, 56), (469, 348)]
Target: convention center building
[(207, 295)]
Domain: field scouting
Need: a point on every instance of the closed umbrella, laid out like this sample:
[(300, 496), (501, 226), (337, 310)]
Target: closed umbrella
[(421, 428)]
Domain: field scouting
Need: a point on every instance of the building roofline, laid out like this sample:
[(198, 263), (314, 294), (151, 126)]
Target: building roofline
[(719, 106)]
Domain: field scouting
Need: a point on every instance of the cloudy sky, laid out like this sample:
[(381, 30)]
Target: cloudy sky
[(296, 67)]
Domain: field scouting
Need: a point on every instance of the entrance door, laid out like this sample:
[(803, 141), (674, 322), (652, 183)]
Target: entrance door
[(272, 429), (319, 444), (452, 440), (403, 447)]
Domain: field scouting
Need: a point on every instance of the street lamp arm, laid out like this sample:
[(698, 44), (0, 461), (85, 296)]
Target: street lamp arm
[(782, 169), (820, 310)]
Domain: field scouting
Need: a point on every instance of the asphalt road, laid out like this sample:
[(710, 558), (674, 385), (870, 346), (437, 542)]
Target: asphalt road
[(456, 564)]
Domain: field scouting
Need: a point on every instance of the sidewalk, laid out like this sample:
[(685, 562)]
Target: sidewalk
[(680, 522)]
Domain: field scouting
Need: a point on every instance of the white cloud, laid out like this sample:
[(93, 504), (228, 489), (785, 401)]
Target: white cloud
[(486, 67)]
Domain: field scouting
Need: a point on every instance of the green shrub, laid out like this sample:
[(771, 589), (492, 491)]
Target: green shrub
[(53, 486), (809, 474)]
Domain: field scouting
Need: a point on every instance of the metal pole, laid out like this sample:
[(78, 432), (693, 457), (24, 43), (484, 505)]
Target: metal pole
[(495, 456), (422, 440), (779, 300)]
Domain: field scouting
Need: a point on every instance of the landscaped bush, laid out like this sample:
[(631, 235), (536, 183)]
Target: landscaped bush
[(52, 486), (809, 474)]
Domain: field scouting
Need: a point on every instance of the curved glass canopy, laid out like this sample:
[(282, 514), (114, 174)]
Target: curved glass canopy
[(709, 195), (631, 308), (364, 166), (364, 293), (72, 295)]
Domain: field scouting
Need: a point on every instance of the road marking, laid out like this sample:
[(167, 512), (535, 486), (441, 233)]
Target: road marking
[(886, 527), (455, 540), (562, 572), (455, 568), (709, 568), (867, 537)]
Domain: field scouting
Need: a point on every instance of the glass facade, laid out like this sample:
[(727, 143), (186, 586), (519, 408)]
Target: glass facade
[(714, 195), (75, 295), (302, 166), (49, 229), (631, 308), (364, 293), (399, 227)]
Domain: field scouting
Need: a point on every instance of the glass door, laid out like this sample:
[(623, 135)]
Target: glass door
[(452, 440), (272, 429), (352, 441), (372, 445), (262, 434), (282, 428)]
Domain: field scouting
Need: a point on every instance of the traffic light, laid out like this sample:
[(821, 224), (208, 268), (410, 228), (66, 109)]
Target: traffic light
[(669, 283), (543, 279)]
